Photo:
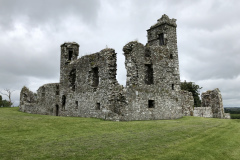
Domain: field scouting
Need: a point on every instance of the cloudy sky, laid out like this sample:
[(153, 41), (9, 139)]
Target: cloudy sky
[(31, 32)]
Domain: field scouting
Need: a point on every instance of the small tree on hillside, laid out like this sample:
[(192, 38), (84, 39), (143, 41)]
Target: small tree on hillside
[(195, 89), (8, 93)]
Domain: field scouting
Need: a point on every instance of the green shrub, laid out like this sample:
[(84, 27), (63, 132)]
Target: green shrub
[(235, 116)]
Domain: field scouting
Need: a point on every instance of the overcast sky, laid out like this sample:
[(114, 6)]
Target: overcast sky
[(31, 32)]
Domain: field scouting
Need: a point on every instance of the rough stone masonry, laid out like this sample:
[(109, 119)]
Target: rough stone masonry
[(88, 86)]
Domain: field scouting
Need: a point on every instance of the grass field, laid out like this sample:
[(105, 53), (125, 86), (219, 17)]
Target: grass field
[(29, 136)]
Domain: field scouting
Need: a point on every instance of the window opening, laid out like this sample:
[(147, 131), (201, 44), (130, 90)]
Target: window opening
[(95, 77), (72, 79), (172, 86), (171, 56), (63, 102), (161, 39), (24, 97), (76, 102), (57, 110), (57, 89), (151, 104), (148, 74), (98, 106), (70, 54)]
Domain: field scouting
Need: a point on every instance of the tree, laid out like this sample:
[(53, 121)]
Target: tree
[(4, 103), (8, 93), (195, 89)]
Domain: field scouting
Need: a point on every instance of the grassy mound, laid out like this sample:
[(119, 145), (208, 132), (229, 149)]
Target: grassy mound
[(29, 136)]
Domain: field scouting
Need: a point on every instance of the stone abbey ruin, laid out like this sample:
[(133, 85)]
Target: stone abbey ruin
[(88, 86)]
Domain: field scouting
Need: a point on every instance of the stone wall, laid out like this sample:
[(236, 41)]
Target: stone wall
[(48, 99), (212, 105), (203, 112), (213, 99), (28, 101), (87, 88), (187, 103)]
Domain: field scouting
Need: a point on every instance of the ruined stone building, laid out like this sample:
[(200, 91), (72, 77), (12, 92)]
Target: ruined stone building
[(88, 86)]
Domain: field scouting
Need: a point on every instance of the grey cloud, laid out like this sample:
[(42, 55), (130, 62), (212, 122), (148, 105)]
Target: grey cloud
[(211, 54), (45, 11)]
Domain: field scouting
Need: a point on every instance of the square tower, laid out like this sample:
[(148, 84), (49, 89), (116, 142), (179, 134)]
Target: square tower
[(162, 35)]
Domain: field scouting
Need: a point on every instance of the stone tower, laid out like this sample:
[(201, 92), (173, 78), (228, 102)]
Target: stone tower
[(163, 36), (153, 80), (69, 53)]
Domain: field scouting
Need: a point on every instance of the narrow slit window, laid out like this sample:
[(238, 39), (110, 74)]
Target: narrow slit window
[(63, 101), (148, 74), (72, 79), (151, 104), (172, 86), (161, 39), (171, 56), (95, 77), (57, 89), (76, 103), (97, 106)]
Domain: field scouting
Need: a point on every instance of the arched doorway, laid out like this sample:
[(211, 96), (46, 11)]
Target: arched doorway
[(57, 109)]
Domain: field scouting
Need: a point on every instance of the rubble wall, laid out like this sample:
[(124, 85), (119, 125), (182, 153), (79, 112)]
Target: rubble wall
[(187, 103), (212, 106), (48, 99), (213, 99), (28, 101), (203, 112)]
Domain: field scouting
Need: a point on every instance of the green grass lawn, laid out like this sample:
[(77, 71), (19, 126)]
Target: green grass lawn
[(29, 136)]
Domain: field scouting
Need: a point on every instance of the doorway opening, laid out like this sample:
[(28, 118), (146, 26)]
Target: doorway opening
[(57, 109)]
